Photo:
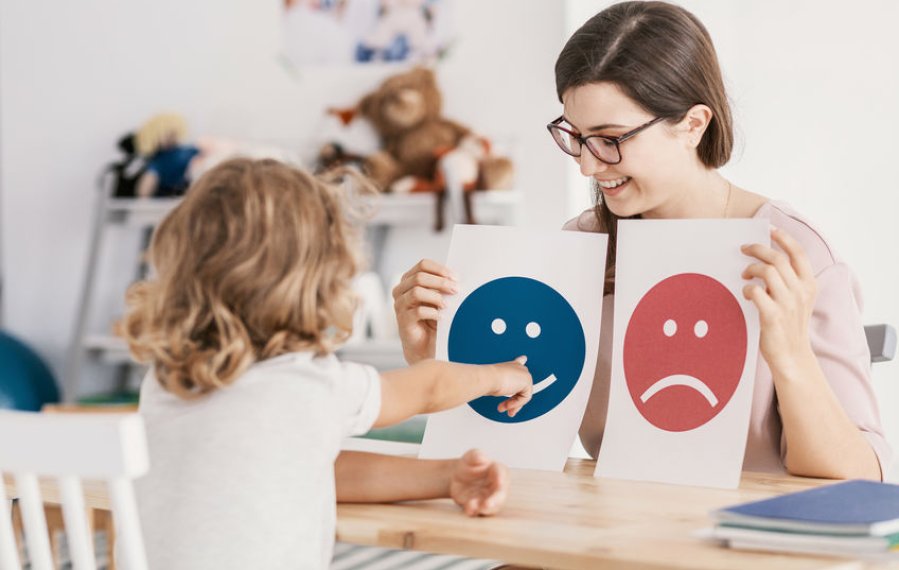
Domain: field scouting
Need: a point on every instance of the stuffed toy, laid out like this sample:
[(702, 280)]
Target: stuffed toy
[(419, 148), (168, 159), (128, 170)]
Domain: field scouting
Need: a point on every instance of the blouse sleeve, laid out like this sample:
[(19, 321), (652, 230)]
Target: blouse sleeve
[(838, 340)]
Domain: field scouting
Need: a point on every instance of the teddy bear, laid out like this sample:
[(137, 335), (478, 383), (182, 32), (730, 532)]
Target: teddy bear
[(419, 147)]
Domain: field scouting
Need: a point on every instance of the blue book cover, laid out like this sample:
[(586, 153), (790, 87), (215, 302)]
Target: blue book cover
[(852, 507)]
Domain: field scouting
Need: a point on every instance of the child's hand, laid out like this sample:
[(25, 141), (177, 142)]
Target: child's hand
[(514, 380), (479, 485)]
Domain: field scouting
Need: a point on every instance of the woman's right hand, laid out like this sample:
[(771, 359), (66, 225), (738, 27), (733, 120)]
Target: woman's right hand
[(417, 301)]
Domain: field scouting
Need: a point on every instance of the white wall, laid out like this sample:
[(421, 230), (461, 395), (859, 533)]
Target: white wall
[(76, 75), (815, 89)]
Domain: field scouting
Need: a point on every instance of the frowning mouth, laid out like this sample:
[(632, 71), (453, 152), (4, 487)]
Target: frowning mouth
[(544, 384), (679, 380)]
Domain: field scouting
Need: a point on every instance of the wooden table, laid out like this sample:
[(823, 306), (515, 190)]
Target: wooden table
[(574, 521), (566, 521)]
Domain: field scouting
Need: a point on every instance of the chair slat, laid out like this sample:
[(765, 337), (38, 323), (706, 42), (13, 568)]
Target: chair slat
[(129, 540), (9, 559), (35, 524), (79, 539)]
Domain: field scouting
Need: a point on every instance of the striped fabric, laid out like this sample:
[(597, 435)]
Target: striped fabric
[(355, 557)]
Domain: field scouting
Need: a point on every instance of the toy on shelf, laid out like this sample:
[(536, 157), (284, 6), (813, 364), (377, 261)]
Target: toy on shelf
[(160, 141), (128, 170), (420, 149)]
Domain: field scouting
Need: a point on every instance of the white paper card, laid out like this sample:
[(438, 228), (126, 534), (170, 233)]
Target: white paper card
[(531, 293), (684, 352)]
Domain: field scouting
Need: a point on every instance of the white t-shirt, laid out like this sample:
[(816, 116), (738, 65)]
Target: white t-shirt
[(244, 477)]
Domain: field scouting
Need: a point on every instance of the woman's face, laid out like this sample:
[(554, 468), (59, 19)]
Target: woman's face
[(650, 161)]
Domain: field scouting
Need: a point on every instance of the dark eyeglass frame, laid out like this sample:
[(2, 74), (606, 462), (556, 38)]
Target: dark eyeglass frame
[(583, 140)]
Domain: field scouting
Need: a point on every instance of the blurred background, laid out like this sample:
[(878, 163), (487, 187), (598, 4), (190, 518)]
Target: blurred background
[(814, 88)]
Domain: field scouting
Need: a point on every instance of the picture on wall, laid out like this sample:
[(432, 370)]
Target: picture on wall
[(360, 32)]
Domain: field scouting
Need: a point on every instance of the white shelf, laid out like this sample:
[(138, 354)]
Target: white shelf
[(139, 211), (490, 206), (108, 348), (383, 355), (389, 210)]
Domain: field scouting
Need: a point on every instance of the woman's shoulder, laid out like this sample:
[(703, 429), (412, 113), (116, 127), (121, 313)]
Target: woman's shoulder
[(585, 222), (781, 215)]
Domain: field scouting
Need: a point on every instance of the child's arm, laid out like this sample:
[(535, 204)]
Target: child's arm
[(432, 385), (473, 481)]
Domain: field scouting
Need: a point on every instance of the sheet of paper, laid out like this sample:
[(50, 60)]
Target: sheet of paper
[(523, 293), (684, 352)]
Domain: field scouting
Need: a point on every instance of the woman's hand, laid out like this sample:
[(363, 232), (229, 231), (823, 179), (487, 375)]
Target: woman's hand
[(417, 301), (513, 380), (479, 485), (786, 300)]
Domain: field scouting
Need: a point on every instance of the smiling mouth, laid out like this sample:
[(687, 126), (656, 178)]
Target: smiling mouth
[(679, 380), (544, 384)]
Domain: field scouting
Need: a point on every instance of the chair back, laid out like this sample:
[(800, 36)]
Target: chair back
[(881, 341), (69, 448)]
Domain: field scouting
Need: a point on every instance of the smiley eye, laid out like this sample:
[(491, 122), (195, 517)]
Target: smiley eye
[(498, 326), (669, 328), (700, 329), (532, 330)]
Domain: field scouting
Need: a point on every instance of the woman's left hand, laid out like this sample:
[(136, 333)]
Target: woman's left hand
[(786, 300)]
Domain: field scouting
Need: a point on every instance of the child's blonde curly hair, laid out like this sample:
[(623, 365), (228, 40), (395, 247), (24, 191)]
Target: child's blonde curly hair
[(256, 261)]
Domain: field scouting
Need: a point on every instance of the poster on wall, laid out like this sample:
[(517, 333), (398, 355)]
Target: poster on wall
[(536, 294), (684, 352), (364, 32)]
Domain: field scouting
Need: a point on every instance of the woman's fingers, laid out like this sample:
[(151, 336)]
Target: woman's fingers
[(431, 267), (437, 283), (757, 294), (418, 296), (774, 281), (775, 259), (798, 259)]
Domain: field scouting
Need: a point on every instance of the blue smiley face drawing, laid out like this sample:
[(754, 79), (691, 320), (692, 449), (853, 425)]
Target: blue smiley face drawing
[(517, 316)]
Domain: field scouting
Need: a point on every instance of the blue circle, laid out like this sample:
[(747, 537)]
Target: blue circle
[(517, 316)]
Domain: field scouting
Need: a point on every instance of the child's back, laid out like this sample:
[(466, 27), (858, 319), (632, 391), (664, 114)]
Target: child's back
[(245, 476)]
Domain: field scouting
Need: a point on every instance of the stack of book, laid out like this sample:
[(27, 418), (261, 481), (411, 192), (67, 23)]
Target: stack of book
[(853, 518)]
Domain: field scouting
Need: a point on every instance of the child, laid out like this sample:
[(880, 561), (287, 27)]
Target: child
[(246, 405)]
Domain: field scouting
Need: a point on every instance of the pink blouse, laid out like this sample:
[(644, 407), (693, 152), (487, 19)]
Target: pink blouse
[(837, 337)]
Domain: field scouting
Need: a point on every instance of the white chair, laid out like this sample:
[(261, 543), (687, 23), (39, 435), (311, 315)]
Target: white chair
[(69, 448)]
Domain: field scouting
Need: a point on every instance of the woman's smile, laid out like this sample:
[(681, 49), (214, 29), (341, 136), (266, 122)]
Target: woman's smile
[(613, 187)]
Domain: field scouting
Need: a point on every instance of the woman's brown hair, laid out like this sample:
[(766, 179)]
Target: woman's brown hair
[(663, 58), (256, 261)]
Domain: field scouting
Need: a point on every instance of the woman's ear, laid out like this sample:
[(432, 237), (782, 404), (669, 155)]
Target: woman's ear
[(694, 124)]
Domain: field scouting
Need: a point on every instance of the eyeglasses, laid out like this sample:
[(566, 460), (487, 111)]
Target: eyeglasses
[(604, 148)]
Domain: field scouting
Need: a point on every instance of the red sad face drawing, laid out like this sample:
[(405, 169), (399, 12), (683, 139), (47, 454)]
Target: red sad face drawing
[(684, 351)]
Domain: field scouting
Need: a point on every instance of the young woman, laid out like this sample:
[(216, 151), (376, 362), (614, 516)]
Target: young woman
[(646, 116)]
